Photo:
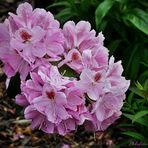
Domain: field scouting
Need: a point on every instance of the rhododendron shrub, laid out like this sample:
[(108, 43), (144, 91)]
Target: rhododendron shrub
[(32, 44)]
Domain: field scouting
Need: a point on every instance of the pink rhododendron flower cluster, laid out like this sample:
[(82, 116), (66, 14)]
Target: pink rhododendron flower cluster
[(33, 45)]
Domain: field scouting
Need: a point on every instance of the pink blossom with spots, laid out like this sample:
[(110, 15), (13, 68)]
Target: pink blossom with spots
[(33, 44), (28, 40), (59, 105), (79, 38)]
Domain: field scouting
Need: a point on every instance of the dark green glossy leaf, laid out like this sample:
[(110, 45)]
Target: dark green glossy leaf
[(139, 19)]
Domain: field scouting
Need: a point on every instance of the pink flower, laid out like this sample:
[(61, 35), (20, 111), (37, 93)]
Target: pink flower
[(76, 105), (115, 82), (31, 42), (55, 98), (92, 83), (105, 111), (78, 39), (27, 43), (39, 121), (27, 17), (53, 77), (13, 63), (52, 104), (54, 44), (29, 39), (39, 32), (73, 59)]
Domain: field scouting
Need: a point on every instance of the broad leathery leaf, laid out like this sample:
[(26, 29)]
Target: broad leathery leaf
[(139, 115), (135, 135), (139, 19), (102, 10)]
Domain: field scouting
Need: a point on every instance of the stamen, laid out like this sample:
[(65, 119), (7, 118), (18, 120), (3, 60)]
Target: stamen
[(75, 56), (25, 36), (50, 94), (97, 77)]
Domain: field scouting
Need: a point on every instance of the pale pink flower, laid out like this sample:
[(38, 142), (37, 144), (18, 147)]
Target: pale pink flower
[(92, 83), (80, 37), (51, 75), (27, 17), (39, 32), (73, 59), (13, 63), (76, 105), (115, 82), (105, 111), (57, 101), (29, 39), (40, 121), (27, 43)]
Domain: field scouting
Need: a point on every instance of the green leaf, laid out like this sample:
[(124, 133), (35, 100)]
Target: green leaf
[(139, 19), (85, 5), (125, 125), (143, 76), (137, 91), (113, 46), (102, 10), (130, 97), (64, 15), (57, 4), (146, 85), (139, 115), (139, 86), (134, 135), (67, 71), (140, 120)]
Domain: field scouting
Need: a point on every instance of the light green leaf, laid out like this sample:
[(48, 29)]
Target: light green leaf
[(102, 10), (139, 115), (139, 86), (134, 135), (139, 19)]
